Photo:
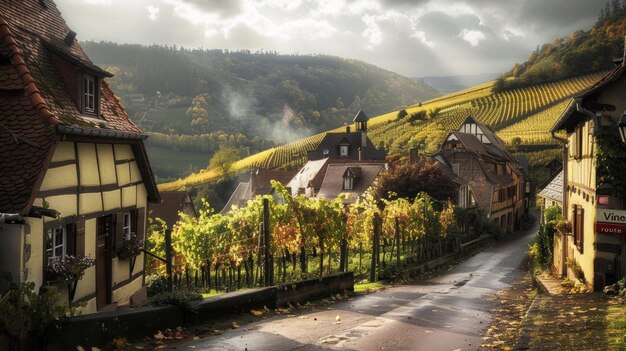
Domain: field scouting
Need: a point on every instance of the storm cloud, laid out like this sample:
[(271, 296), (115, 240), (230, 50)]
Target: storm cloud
[(413, 38)]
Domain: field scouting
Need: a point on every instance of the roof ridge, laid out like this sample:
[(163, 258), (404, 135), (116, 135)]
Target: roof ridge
[(30, 87)]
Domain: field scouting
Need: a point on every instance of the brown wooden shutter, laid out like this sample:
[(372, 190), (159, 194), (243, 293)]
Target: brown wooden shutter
[(140, 223), (70, 238), (80, 238), (581, 230), (119, 232)]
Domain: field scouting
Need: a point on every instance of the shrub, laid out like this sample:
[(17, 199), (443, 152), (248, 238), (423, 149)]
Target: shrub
[(26, 315), (182, 299), (156, 284)]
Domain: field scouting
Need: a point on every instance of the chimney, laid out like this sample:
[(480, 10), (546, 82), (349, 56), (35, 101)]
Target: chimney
[(363, 139), (69, 38), (414, 154), (347, 129), (360, 154)]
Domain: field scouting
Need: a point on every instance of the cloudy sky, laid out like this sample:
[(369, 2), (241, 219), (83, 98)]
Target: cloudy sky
[(411, 37)]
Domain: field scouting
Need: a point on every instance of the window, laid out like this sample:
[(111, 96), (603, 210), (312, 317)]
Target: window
[(348, 183), (576, 147), (56, 242), (127, 226), (343, 150), (90, 94)]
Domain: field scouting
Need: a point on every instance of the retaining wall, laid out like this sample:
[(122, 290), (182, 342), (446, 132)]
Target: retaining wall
[(101, 328)]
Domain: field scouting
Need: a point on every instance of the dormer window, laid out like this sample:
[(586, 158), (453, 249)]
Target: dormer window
[(89, 95), (348, 182), (344, 150)]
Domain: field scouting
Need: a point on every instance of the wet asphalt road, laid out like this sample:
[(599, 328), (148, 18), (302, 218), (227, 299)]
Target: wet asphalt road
[(446, 312)]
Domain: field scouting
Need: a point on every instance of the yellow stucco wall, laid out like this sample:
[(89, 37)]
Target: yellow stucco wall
[(64, 152), (64, 204), (34, 265), (96, 168), (581, 179), (88, 164), (59, 178)]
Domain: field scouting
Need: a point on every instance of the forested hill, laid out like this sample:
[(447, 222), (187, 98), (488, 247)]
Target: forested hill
[(582, 52), (275, 97)]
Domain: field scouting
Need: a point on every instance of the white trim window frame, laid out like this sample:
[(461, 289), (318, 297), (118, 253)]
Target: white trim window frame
[(90, 94), (343, 150), (127, 225), (348, 183), (56, 246)]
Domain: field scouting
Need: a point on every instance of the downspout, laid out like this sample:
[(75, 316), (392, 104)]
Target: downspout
[(563, 269)]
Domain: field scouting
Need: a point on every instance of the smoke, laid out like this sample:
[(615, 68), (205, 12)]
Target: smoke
[(275, 126)]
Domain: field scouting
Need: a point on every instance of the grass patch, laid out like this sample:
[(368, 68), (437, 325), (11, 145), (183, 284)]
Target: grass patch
[(366, 288)]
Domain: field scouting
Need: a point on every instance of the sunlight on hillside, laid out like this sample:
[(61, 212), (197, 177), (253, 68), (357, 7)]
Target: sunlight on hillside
[(526, 112)]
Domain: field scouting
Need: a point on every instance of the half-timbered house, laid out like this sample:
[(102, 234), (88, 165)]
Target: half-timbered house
[(74, 175)]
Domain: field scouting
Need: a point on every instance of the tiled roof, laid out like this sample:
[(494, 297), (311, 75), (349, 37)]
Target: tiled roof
[(171, 203), (36, 98), (259, 184), (554, 189), (306, 174), (329, 147), (332, 185), (360, 117)]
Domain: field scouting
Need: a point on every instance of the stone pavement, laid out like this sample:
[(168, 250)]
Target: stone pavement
[(558, 321)]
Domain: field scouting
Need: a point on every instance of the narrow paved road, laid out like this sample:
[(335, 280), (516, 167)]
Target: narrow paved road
[(446, 312)]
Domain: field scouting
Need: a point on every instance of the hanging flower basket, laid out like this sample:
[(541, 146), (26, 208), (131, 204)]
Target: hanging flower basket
[(68, 270), (130, 248)]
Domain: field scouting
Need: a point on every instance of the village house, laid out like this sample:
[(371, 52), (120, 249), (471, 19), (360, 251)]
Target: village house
[(172, 203), (551, 192), (593, 186), (258, 184), (492, 178), (343, 162), (74, 176)]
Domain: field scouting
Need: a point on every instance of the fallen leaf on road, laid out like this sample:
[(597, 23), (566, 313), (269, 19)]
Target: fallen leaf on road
[(196, 338), (234, 325), (338, 318), (256, 313), (79, 348), (303, 317), (159, 336)]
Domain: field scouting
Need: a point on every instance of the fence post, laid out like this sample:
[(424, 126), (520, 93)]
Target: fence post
[(168, 258), (397, 242), (374, 251), (266, 241)]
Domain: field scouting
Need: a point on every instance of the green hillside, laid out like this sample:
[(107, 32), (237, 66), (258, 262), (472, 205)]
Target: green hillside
[(525, 112), (582, 52), (249, 101)]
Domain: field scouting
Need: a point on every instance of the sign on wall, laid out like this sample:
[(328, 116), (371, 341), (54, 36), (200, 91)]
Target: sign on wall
[(611, 221)]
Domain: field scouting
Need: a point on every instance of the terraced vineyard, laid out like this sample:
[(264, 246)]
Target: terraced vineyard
[(527, 113)]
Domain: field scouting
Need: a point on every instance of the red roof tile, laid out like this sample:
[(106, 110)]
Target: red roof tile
[(37, 102)]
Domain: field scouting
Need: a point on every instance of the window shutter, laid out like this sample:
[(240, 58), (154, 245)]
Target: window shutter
[(70, 239), (80, 238), (140, 223), (119, 232), (581, 223)]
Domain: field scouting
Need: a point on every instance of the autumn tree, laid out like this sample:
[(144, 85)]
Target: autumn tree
[(407, 179)]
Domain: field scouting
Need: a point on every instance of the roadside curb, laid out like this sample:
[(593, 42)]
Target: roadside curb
[(523, 338)]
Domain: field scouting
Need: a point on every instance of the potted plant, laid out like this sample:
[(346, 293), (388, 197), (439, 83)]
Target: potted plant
[(130, 249), (68, 270)]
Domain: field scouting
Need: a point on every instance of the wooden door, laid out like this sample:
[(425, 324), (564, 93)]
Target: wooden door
[(106, 226)]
